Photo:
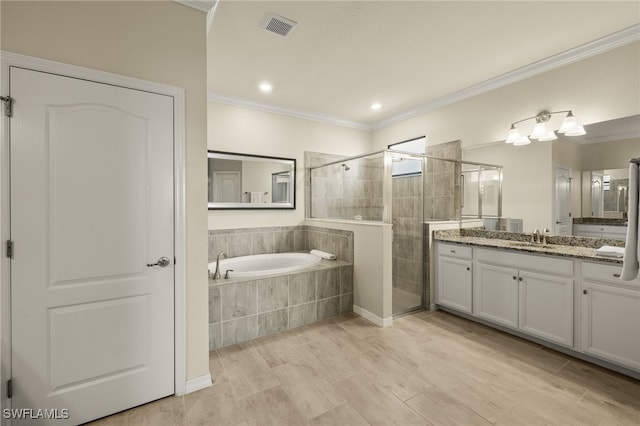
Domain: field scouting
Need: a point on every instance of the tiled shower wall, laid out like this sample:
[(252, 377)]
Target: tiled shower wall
[(338, 193), (407, 233), (442, 183)]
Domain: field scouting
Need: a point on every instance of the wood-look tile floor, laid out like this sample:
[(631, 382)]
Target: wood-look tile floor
[(430, 368)]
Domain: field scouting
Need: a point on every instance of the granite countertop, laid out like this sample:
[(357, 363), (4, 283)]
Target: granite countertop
[(563, 246), (600, 221)]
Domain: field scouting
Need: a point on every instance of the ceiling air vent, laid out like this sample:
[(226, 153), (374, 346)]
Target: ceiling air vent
[(279, 25)]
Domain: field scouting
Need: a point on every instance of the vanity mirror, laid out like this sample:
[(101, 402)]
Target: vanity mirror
[(243, 181), (532, 180)]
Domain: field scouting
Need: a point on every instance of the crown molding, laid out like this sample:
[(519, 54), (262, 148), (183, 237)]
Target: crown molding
[(598, 46), (260, 106), (202, 6)]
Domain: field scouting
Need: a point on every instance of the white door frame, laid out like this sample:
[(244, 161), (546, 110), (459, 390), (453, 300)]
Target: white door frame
[(8, 59)]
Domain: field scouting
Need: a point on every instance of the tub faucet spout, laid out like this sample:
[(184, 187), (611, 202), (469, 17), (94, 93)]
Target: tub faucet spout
[(216, 274)]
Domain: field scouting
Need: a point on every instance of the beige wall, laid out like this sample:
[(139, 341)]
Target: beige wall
[(247, 131), (160, 41)]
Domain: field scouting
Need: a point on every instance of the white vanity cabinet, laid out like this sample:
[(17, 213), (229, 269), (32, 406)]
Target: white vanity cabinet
[(600, 231), (453, 277), (531, 293), (610, 311), (542, 296)]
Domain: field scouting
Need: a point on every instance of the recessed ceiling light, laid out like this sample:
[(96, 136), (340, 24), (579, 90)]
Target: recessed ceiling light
[(376, 106), (265, 87)]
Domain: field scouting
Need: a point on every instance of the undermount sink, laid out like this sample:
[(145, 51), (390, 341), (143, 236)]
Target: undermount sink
[(526, 244)]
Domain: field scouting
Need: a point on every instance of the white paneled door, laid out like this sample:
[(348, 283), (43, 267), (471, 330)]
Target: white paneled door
[(92, 277)]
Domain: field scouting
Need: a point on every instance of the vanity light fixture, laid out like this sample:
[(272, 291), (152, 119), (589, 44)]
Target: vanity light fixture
[(569, 127)]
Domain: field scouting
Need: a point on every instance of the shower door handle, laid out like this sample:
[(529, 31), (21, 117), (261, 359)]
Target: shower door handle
[(461, 190), (162, 262)]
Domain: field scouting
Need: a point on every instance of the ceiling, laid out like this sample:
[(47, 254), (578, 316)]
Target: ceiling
[(345, 55)]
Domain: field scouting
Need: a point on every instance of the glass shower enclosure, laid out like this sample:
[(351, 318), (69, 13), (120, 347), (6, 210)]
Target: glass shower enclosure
[(406, 190)]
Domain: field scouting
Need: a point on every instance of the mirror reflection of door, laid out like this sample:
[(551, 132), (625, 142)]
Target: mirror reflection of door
[(597, 201), (280, 187), (227, 187), (563, 201)]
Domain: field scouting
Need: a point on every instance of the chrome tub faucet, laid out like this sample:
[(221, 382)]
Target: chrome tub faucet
[(216, 274)]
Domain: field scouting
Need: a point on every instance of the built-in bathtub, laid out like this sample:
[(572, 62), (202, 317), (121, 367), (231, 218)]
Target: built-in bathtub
[(258, 265), (268, 293)]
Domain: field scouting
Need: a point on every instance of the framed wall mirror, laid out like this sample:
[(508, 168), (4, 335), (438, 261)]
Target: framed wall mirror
[(243, 181)]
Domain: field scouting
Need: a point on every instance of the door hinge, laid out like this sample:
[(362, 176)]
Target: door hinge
[(9, 388), (8, 105), (10, 249)]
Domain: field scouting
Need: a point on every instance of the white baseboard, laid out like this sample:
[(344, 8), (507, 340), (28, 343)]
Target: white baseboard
[(198, 383), (380, 322)]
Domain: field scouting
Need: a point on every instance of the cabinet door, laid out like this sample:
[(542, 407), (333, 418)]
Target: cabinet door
[(496, 294), (454, 283), (611, 324), (546, 307)]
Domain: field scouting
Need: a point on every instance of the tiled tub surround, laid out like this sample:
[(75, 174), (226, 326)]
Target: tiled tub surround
[(242, 309), (558, 245), (280, 239)]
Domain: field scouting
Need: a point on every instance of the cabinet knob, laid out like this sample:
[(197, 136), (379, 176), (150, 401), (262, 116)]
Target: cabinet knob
[(584, 291), (452, 251), (515, 278), (520, 279), (616, 275), (468, 268)]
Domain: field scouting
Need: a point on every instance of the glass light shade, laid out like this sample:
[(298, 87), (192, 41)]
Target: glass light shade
[(522, 141), (539, 130), (513, 136), (570, 124), (549, 136), (579, 131)]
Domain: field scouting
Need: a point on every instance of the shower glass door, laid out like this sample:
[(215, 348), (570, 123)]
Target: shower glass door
[(407, 219)]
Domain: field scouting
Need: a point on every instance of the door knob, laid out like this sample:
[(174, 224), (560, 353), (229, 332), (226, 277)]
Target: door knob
[(162, 262)]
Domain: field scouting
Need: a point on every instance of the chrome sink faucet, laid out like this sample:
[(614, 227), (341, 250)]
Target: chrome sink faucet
[(535, 236), (216, 274), (544, 236)]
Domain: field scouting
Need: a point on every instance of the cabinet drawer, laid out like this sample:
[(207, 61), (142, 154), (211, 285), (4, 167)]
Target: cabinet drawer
[(614, 230), (455, 250), (604, 273), (546, 264)]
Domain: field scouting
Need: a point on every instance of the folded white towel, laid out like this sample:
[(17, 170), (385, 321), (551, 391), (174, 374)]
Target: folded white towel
[(609, 251), (256, 197), (324, 254)]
